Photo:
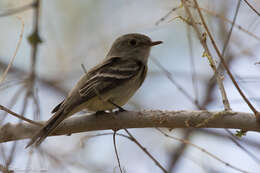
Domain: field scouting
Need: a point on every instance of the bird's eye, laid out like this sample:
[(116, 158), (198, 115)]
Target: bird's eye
[(133, 42)]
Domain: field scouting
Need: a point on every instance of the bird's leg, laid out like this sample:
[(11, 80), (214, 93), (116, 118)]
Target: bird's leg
[(111, 102), (100, 113), (120, 109), (99, 96)]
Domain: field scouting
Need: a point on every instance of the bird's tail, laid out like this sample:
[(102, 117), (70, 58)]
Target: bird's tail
[(48, 128)]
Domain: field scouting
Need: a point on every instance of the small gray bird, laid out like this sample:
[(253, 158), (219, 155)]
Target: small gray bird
[(112, 82)]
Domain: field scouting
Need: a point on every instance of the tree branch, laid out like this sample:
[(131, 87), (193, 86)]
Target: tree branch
[(143, 119)]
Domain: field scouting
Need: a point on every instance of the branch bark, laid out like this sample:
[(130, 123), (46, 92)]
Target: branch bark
[(143, 119)]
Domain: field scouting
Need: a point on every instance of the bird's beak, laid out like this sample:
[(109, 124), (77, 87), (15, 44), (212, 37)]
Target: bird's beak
[(154, 43)]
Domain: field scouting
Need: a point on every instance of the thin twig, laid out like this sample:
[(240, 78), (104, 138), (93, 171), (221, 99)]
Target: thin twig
[(145, 150), (208, 55), (233, 139), (17, 10), (14, 145), (11, 83), (19, 116), (211, 83), (231, 29), (179, 151), (117, 156), (131, 138), (184, 141), (36, 102), (193, 70), (224, 63), (178, 86), (84, 68), (203, 150), (130, 135), (239, 27), (250, 142), (51, 84), (210, 86), (251, 7), (167, 15), (13, 101), (225, 101), (15, 53), (35, 40)]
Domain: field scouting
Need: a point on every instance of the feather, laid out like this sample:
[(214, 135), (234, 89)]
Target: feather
[(46, 130)]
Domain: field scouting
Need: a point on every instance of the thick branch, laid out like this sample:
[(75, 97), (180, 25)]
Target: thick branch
[(144, 119)]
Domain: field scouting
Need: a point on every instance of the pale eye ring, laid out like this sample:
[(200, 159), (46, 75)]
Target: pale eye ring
[(133, 42)]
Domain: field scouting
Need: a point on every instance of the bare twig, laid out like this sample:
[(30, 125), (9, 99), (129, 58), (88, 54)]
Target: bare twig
[(193, 70), (211, 83), (247, 141), (208, 55), (224, 63), (251, 7), (13, 101), (214, 68), (239, 27), (117, 156), (220, 56), (178, 86), (130, 137), (233, 139), (84, 68), (14, 145), (19, 116), (202, 150), (167, 15), (51, 84), (36, 102), (145, 150), (184, 141), (17, 10), (15, 52), (35, 40), (179, 151), (231, 29)]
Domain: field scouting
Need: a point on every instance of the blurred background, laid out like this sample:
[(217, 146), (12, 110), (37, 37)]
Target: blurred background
[(81, 32)]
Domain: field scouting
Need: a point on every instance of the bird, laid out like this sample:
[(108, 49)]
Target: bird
[(106, 86)]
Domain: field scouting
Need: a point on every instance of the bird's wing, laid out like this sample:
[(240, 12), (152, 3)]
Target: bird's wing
[(108, 76)]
